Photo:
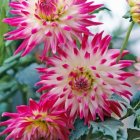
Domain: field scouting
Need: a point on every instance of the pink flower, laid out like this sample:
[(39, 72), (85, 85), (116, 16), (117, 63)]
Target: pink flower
[(38, 121), (84, 79), (52, 22)]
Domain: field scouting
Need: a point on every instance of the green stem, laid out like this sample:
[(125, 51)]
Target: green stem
[(24, 98), (137, 105), (9, 94), (126, 40), (12, 58), (6, 67), (135, 108), (24, 94), (128, 115)]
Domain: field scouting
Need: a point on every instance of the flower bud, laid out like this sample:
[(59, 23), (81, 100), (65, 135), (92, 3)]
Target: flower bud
[(135, 10)]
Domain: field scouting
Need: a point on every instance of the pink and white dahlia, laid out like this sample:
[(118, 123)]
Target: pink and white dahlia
[(51, 22), (84, 79), (38, 121)]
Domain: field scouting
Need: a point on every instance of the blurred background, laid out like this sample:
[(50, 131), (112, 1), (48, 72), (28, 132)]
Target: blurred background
[(117, 26)]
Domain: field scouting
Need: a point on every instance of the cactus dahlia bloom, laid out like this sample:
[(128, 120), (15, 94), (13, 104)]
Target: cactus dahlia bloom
[(135, 10), (38, 121), (51, 22), (84, 79)]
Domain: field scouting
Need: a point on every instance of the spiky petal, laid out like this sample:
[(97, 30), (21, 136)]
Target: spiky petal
[(85, 79), (51, 22), (38, 121)]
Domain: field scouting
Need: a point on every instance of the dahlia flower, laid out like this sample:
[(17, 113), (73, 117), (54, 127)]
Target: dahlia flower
[(84, 79), (51, 22), (38, 121), (135, 10)]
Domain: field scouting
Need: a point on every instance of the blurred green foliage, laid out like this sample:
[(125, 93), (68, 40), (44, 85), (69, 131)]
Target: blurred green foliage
[(3, 28)]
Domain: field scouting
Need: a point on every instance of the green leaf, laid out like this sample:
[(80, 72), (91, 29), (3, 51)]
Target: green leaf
[(28, 75), (134, 109), (6, 67), (4, 8), (2, 137), (80, 130), (12, 58), (122, 134), (3, 107), (130, 110), (109, 127), (135, 100), (5, 3), (133, 134), (127, 15), (118, 98), (4, 86), (101, 9), (137, 120), (130, 57), (7, 95)]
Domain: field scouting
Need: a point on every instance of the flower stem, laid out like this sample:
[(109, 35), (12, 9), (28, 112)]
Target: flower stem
[(125, 40), (137, 105), (135, 108)]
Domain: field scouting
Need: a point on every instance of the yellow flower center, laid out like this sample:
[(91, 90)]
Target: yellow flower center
[(81, 80), (39, 121), (49, 10)]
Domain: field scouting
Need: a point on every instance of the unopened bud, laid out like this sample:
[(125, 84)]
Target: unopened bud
[(135, 10)]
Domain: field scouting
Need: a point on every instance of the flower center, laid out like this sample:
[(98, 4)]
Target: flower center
[(81, 80), (41, 123), (49, 10)]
